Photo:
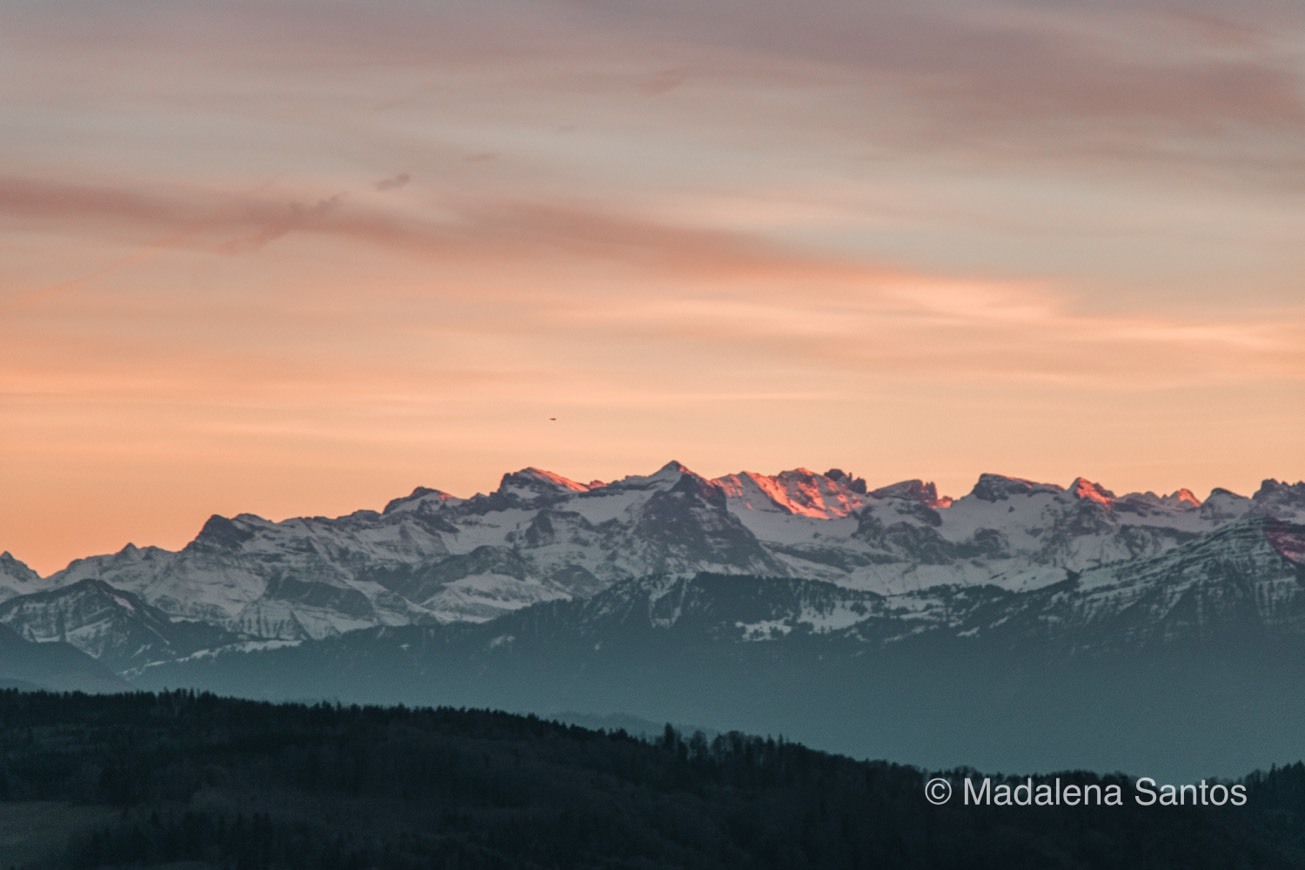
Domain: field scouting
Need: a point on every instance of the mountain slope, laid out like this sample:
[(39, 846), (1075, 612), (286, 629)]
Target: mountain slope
[(114, 627), (56, 666)]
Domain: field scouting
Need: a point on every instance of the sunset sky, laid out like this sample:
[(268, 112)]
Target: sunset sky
[(295, 257)]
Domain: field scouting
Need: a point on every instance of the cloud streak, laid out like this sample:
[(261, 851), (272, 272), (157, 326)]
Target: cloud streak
[(558, 230)]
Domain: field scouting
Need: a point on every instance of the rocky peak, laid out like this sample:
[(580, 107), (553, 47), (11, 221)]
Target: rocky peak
[(995, 487), (540, 480), (799, 491), (16, 578), (663, 478), (220, 533), (423, 499), (1223, 505), (851, 481), (531, 486), (913, 490), (12, 567), (1085, 490), (674, 468), (1182, 499), (1273, 490), (1282, 500)]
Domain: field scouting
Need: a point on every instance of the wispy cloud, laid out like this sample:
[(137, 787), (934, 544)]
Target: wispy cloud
[(458, 228), (293, 218)]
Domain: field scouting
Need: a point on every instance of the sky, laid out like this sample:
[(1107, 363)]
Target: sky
[(297, 258)]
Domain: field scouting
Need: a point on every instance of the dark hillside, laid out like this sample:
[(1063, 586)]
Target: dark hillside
[(241, 784)]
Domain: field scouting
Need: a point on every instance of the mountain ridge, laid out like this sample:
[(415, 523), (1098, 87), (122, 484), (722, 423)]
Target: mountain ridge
[(434, 557)]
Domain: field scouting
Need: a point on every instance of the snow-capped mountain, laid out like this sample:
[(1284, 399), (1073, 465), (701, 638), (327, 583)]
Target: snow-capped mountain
[(432, 557)]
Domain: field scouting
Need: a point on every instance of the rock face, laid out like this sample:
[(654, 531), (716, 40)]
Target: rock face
[(115, 627), (15, 577), (431, 557)]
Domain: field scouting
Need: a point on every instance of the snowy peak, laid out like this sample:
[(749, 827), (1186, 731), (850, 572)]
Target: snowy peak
[(423, 499), (995, 487), (1182, 500), (1224, 506), (672, 472), (672, 468), (535, 485), (663, 478), (548, 478)]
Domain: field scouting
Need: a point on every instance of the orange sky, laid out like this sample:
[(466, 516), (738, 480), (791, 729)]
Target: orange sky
[(296, 258)]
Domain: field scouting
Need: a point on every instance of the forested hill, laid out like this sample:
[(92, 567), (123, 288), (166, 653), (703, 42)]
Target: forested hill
[(241, 784)]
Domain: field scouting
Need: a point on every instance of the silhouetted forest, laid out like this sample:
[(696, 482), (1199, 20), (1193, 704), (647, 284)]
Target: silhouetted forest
[(241, 784)]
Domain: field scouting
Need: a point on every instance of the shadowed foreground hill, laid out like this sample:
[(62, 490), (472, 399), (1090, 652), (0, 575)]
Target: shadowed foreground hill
[(227, 783)]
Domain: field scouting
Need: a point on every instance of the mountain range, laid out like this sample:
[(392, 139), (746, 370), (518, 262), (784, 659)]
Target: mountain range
[(865, 620), (431, 557)]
